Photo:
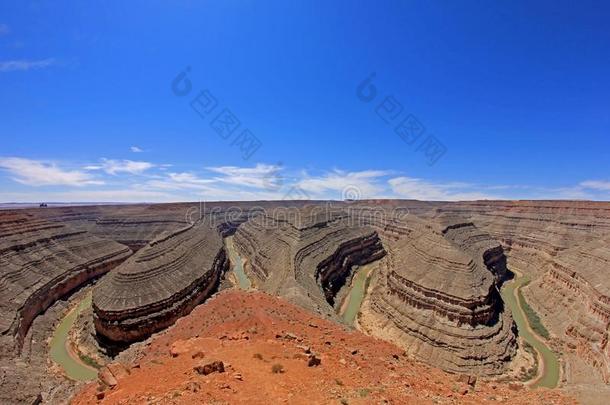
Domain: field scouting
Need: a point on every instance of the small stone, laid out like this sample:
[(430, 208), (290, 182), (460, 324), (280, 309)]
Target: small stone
[(198, 355), (209, 368), (342, 361), (106, 377), (193, 386), (305, 349), (515, 386), (100, 395), (314, 361), (238, 377)]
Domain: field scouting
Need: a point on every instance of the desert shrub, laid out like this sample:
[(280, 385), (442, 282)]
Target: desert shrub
[(277, 368)]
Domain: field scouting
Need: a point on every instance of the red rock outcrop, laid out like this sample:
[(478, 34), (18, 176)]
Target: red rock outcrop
[(266, 344)]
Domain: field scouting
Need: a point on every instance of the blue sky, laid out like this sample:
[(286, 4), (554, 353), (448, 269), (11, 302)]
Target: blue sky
[(503, 100)]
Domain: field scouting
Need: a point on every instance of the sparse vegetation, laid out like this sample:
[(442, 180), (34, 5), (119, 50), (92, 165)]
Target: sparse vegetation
[(339, 382), (258, 356), (527, 375), (532, 317), (89, 361), (277, 368), (364, 392)]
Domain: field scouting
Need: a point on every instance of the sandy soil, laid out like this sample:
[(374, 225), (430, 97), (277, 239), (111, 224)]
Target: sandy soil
[(250, 332)]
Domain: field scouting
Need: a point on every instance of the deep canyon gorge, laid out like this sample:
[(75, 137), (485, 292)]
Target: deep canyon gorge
[(435, 272)]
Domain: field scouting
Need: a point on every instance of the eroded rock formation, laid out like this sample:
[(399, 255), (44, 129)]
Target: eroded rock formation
[(163, 281), (437, 296), (305, 254), (42, 261)]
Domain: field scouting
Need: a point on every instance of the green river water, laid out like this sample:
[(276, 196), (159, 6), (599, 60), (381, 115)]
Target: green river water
[(356, 295), (238, 265), (74, 368), (550, 360)]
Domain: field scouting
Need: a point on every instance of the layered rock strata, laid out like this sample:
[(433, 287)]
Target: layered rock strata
[(163, 281), (573, 298), (305, 254), (437, 296), (42, 261), (563, 247)]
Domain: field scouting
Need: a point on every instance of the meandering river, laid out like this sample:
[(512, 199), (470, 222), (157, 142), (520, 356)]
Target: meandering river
[(353, 301), (60, 352), (549, 362), (237, 264)]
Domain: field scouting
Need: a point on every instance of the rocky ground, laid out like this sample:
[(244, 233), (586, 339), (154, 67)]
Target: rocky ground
[(250, 347)]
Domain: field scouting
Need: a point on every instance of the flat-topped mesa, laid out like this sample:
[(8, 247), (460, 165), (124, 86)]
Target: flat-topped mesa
[(533, 232), (42, 261), (438, 297), (135, 228), (162, 282)]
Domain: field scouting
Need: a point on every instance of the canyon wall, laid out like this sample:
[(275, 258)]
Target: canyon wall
[(163, 281), (305, 254), (437, 295), (42, 261)]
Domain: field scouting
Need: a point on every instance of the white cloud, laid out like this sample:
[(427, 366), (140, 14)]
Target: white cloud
[(181, 181), (15, 65), (39, 173), (259, 182), (112, 166), (136, 149), (418, 189), (596, 185), (339, 184), (261, 176)]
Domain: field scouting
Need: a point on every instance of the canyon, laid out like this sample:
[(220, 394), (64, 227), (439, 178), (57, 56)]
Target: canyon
[(432, 289)]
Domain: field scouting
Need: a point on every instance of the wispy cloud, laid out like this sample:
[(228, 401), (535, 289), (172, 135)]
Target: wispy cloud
[(40, 173), (596, 185), (4, 29), (181, 181), (262, 176), (23, 65), (112, 166), (419, 189), (333, 184), (133, 181), (136, 149)]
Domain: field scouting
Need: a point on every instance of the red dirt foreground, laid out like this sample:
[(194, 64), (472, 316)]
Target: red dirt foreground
[(253, 348)]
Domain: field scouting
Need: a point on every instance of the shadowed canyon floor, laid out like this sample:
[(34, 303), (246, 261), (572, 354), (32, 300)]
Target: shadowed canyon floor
[(425, 276)]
